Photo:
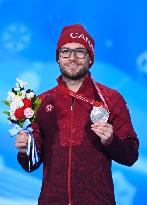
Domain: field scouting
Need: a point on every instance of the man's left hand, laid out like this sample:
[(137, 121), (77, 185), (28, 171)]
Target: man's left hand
[(104, 130)]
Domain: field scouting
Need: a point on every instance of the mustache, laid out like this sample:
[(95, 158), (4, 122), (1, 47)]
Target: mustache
[(74, 61)]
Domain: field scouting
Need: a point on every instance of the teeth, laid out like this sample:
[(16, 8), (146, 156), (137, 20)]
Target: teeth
[(72, 65)]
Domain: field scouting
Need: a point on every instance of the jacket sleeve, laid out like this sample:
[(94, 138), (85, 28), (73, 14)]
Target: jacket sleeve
[(23, 159), (124, 146)]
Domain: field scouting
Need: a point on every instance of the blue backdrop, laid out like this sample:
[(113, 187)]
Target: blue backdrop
[(29, 30)]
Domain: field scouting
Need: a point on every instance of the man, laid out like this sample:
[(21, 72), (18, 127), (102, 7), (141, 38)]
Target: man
[(77, 153)]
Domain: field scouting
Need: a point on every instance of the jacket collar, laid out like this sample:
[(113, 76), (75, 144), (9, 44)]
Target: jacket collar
[(86, 81)]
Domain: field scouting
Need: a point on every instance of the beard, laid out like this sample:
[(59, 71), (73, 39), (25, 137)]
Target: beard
[(77, 76)]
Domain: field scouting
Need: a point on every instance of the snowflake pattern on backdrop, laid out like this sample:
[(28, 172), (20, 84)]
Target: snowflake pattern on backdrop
[(142, 63), (16, 37)]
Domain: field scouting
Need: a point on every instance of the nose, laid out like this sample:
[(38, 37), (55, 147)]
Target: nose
[(72, 55)]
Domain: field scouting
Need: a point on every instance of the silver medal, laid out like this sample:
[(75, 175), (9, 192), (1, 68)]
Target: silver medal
[(99, 114)]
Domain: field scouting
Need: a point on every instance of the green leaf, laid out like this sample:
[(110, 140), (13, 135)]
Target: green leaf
[(14, 91), (6, 113), (29, 90), (21, 89), (6, 102), (37, 103), (21, 122)]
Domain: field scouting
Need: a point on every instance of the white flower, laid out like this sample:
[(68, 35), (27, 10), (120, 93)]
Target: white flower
[(12, 116), (23, 94), (21, 83), (29, 113), (17, 89), (17, 85), (16, 103), (30, 95), (11, 96)]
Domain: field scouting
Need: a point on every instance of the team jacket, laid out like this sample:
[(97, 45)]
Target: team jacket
[(76, 166)]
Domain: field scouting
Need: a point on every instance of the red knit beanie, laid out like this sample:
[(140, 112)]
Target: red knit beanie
[(76, 33)]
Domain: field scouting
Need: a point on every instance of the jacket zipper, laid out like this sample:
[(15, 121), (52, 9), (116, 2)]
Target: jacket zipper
[(69, 154)]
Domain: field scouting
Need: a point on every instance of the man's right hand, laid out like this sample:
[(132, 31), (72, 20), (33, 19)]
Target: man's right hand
[(21, 141)]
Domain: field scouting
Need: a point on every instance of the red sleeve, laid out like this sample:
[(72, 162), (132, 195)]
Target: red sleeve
[(124, 146)]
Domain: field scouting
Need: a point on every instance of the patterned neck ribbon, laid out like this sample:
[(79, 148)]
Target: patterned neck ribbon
[(85, 99)]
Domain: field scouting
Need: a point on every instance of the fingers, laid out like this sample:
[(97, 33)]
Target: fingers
[(20, 145), (104, 130), (21, 141), (102, 125)]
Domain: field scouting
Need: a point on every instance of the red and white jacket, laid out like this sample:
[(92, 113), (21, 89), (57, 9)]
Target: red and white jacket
[(76, 166)]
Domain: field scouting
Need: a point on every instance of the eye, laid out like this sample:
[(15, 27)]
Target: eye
[(81, 50), (64, 50)]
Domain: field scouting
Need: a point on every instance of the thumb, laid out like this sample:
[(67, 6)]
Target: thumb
[(22, 132)]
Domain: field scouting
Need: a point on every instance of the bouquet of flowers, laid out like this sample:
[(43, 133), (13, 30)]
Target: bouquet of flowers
[(23, 105)]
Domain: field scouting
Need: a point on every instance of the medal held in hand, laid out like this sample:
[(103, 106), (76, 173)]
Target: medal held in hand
[(99, 114)]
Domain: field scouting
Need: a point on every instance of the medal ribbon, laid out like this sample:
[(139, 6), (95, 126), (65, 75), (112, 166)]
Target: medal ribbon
[(100, 94), (82, 97)]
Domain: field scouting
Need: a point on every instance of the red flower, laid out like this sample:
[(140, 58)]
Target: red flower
[(27, 103), (19, 113)]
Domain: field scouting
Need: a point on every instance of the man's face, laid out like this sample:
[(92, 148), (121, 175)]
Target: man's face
[(76, 65)]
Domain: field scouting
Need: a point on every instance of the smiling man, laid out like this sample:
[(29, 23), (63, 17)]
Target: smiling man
[(81, 127)]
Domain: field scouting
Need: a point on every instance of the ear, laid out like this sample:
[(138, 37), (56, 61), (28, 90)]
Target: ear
[(90, 61), (58, 61)]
